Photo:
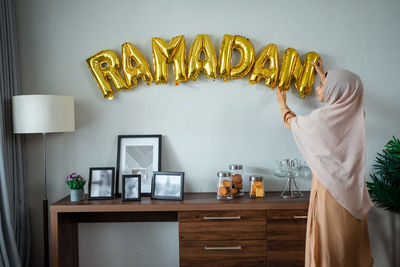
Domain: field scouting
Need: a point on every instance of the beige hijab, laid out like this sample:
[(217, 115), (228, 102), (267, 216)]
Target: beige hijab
[(332, 141)]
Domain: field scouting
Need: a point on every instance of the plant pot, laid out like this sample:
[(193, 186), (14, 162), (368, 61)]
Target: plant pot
[(76, 194)]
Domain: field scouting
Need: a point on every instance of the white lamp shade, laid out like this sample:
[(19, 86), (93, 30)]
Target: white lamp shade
[(43, 114)]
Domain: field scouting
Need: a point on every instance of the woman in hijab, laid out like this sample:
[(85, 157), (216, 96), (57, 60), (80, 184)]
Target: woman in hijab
[(332, 142)]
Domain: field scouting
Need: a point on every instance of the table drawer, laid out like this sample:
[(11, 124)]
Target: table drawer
[(286, 225), (297, 215), (223, 253), (222, 225), (286, 237)]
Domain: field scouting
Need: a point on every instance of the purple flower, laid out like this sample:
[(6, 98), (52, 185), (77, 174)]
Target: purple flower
[(74, 176)]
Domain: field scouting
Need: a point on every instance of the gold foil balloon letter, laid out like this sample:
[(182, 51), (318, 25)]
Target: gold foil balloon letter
[(303, 75), (247, 57), (225, 56), (141, 69), (226, 70), (104, 65), (287, 68), (304, 86), (164, 53), (202, 44), (270, 74)]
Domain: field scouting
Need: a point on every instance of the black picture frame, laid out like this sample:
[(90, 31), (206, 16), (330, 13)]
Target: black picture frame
[(93, 180), (175, 192), (138, 142), (125, 178)]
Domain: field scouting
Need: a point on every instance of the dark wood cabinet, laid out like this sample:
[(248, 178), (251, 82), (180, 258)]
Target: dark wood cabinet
[(241, 232), (274, 238), (222, 238), (286, 237)]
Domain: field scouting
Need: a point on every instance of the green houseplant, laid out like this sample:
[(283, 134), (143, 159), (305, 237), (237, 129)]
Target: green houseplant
[(385, 186), (75, 183)]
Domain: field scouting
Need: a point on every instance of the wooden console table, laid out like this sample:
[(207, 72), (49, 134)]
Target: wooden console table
[(238, 232)]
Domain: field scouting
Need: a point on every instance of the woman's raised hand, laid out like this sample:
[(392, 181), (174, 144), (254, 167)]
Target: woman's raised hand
[(319, 67)]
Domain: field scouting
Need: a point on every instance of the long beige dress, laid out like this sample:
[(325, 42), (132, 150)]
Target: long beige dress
[(334, 237)]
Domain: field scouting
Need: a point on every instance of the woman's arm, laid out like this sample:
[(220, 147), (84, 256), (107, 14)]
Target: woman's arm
[(286, 113)]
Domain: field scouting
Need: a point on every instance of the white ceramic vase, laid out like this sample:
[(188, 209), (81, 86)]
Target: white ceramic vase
[(76, 194)]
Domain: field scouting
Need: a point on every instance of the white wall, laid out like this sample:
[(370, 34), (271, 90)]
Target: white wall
[(205, 125)]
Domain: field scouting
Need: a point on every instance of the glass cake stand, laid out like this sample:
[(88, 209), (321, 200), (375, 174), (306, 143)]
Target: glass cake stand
[(291, 169)]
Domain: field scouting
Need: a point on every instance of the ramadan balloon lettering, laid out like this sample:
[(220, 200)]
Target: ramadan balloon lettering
[(109, 72)]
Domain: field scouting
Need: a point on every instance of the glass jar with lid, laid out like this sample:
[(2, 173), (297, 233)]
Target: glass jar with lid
[(256, 186), (224, 190), (237, 179)]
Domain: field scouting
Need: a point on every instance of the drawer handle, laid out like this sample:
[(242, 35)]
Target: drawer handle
[(223, 248), (222, 218), (300, 217)]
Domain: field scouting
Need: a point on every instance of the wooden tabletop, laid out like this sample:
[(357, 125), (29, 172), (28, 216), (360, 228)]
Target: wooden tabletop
[(191, 201)]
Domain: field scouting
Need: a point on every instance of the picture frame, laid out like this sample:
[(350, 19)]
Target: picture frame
[(101, 183), (138, 154), (131, 187), (167, 185)]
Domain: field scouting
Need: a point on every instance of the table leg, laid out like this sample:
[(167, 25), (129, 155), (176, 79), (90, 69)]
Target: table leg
[(64, 240)]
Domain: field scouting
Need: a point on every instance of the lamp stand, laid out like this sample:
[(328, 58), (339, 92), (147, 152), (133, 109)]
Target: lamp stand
[(45, 209), (43, 114)]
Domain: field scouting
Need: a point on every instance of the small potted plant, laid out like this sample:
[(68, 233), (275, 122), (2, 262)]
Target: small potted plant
[(75, 183)]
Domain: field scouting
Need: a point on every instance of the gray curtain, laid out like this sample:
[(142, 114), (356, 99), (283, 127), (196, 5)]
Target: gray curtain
[(15, 236)]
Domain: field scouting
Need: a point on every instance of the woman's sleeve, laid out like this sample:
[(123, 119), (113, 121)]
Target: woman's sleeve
[(287, 116)]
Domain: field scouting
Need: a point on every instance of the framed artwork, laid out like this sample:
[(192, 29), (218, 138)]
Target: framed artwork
[(167, 185), (131, 187), (101, 183), (141, 155)]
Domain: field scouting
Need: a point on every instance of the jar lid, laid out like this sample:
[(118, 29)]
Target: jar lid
[(224, 174), (255, 178), (236, 166)]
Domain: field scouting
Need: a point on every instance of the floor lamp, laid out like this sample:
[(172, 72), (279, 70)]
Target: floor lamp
[(43, 114)]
